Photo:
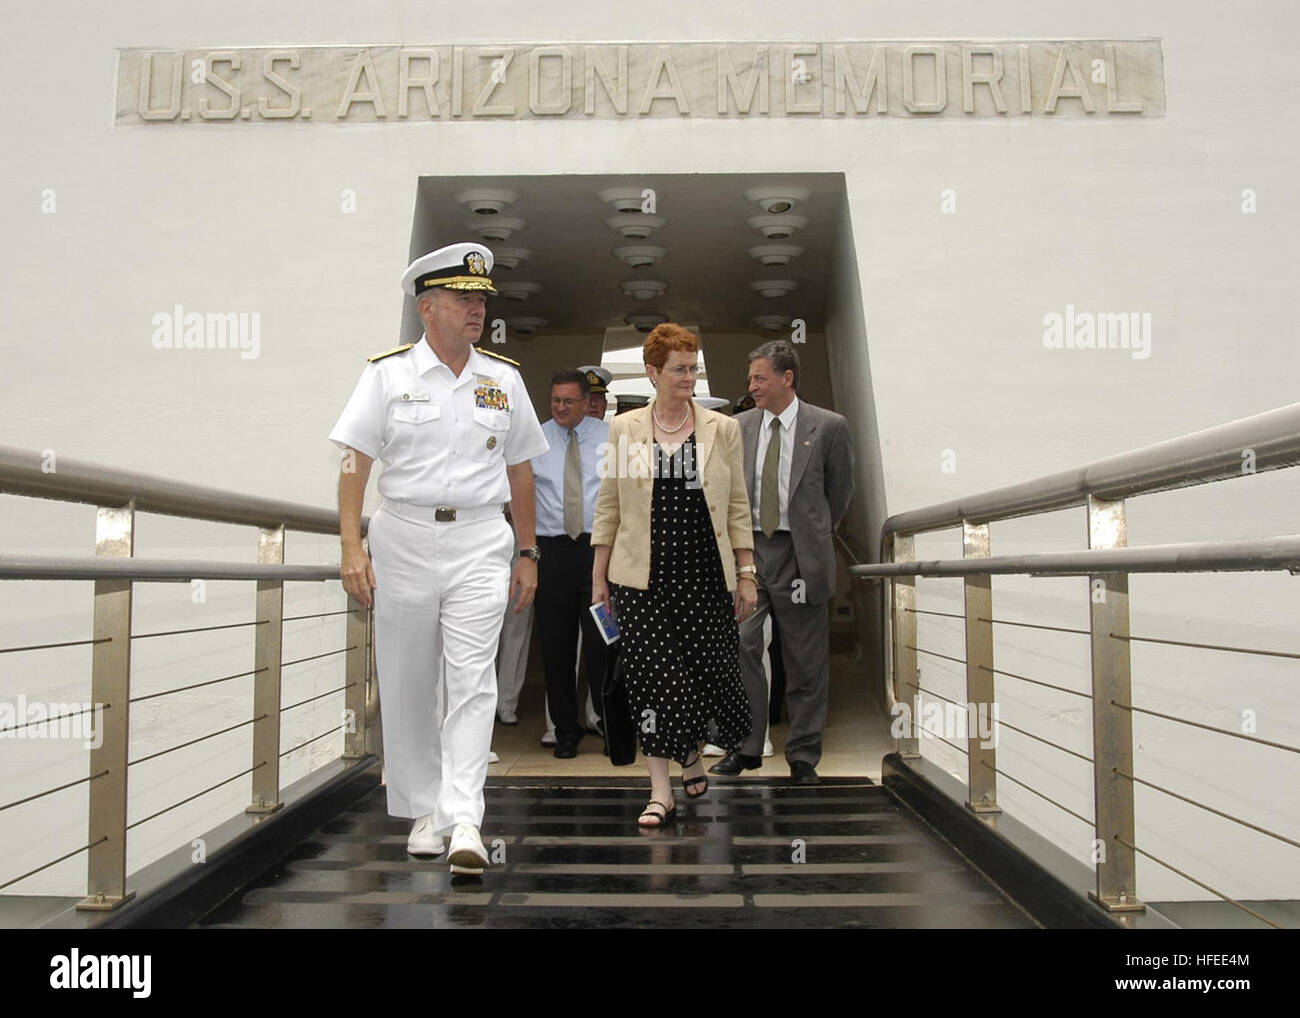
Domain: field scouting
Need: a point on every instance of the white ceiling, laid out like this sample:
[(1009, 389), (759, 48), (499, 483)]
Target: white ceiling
[(707, 268)]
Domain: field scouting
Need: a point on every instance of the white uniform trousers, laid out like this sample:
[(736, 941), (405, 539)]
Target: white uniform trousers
[(441, 591), (512, 654)]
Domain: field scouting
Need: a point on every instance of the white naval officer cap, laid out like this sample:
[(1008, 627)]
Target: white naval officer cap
[(598, 378), (456, 267)]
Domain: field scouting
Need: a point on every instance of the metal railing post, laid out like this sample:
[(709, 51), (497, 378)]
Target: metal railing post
[(268, 654), (356, 673), (981, 778), (903, 605), (1112, 726), (374, 717), (110, 688)]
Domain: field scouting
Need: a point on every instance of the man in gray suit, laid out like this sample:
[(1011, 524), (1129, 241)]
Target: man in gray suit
[(799, 472)]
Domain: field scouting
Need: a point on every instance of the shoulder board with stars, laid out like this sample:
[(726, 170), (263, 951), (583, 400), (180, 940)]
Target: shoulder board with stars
[(500, 357), (388, 353)]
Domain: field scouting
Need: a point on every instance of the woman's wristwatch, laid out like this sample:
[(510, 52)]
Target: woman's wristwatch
[(747, 572)]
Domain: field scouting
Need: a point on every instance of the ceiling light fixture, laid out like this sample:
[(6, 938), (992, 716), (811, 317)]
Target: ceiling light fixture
[(778, 227), (635, 225), (777, 201), (774, 287), (641, 257), (486, 201), (645, 322), (775, 254), (499, 228), (643, 289), (525, 326), (517, 291)]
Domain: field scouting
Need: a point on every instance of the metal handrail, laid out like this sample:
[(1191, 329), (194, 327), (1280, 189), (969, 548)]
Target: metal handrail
[(119, 496), (1192, 557), (1267, 441), (25, 567), (1213, 454), (32, 473)]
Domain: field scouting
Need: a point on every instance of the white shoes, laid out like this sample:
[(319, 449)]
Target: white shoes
[(711, 750), (507, 717), (423, 841), (493, 758), (467, 852)]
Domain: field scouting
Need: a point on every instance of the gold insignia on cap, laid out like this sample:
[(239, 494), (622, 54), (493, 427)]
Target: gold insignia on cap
[(477, 266)]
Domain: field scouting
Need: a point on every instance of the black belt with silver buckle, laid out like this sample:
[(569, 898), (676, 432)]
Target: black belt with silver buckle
[(444, 514)]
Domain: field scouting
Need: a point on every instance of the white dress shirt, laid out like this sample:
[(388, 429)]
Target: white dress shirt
[(444, 439), (548, 474), (787, 417)]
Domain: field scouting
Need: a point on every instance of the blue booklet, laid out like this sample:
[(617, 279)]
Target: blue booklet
[(605, 622)]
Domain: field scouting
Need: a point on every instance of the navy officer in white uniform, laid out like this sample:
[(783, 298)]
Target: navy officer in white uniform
[(455, 430)]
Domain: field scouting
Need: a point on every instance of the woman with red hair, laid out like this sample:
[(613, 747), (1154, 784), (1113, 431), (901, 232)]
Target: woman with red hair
[(673, 543)]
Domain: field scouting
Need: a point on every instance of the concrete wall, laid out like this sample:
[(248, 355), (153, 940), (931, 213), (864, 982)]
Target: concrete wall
[(1105, 214)]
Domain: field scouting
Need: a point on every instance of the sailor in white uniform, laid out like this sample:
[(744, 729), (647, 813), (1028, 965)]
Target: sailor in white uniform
[(455, 430)]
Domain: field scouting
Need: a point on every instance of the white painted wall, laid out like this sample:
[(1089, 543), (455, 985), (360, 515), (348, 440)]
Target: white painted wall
[(1112, 215)]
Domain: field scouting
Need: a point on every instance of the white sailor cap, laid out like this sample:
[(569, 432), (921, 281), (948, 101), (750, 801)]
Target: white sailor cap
[(597, 377), (456, 267)]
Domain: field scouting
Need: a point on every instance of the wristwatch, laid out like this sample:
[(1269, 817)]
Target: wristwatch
[(533, 553)]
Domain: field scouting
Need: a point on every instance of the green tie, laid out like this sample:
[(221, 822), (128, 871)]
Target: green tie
[(573, 507), (769, 500)]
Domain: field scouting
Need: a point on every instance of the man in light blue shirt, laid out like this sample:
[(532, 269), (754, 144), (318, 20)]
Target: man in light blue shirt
[(566, 483)]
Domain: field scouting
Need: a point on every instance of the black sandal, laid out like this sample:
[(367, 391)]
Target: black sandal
[(664, 818), (689, 783)]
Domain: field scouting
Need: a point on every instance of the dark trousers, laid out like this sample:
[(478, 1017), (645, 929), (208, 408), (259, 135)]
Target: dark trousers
[(805, 652), (563, 602), (778, 675)]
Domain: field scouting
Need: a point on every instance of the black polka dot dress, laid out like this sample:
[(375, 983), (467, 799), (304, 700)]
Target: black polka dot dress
[(680, 656)]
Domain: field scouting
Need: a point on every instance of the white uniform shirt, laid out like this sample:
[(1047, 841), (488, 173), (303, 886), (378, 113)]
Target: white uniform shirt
[(787, 452), (548, 474), (444, 440)]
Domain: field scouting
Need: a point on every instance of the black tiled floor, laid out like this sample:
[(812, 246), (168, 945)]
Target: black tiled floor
[(749, 854)]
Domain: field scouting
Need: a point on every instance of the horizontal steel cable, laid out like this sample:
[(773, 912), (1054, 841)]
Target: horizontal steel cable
[(201, 738), (314, 738), (196, 685), (52, 862), (191, 798), (51, 791), (317, 696), (1198, 883), (48, 646)]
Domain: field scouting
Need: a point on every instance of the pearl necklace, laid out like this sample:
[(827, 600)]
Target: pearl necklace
[(680, 424)]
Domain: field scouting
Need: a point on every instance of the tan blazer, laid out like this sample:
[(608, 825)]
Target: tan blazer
[(627, 485)]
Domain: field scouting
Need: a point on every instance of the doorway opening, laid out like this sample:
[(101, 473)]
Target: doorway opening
[(586, 265)]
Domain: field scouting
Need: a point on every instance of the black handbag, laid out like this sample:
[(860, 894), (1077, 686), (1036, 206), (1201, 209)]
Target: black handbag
[(620, 728)]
